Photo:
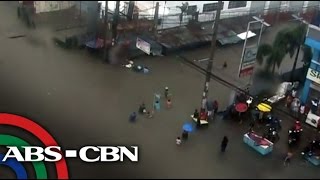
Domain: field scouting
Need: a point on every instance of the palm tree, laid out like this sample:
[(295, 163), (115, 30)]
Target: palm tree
[(183, 10), (295, 39), (272, 55), (307, 56)]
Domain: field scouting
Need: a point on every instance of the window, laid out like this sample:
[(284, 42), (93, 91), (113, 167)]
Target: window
[(211, 7), (237, 4), (284, 5), (191, 9)]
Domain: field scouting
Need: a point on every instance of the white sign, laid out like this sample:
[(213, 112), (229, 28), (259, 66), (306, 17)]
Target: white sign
[(313, 75), (249, 58), (52, 154), (144, 46), (312, 119), (250, 54)]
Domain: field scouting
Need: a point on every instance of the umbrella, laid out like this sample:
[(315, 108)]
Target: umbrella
[(241, 107), (188, 127), (263, 107)]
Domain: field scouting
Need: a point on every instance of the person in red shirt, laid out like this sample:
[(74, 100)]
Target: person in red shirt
[(169, 103), (215, 106), (298, 125), (203, 114)]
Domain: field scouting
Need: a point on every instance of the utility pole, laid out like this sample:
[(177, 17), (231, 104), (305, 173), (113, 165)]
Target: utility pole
[(130, 10), (210, 62), (80, 12), (156, 19), (164, 10), (115, 23), (106, 31)]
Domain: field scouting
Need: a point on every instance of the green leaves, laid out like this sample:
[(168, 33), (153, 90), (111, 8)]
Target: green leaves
[(295, 39), (271, 55), (307, 55), (263, 51), (287, 41)]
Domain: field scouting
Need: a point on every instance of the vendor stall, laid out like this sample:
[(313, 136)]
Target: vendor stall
[(312, 152), (281, 92), (258, 143), (202, 121), (315, 160), (312, 119), (313, 116)]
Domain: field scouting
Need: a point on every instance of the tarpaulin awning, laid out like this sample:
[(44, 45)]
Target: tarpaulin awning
[(95, 44)]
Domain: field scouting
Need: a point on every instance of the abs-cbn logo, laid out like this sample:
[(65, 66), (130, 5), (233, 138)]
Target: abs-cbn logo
[(54, 153)]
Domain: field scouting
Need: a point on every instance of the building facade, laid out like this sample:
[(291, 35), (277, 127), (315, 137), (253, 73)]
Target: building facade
[(49, 6), (311, 88), (169, 11), (230, 8)]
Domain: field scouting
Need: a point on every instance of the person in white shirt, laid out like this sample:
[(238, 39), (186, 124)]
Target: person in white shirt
[(178, 141), (302, 109), (294, 93)]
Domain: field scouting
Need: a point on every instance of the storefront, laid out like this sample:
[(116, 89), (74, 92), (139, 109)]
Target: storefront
[(311, 90), (313, 85), (313, 96)]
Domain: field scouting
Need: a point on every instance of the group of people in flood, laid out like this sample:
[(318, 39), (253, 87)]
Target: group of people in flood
[(149, 113)]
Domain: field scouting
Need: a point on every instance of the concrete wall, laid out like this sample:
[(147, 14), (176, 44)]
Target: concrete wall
[(274, 4), (89, 12), (313, 3), (296, 5), (49, 6), (257, 6)]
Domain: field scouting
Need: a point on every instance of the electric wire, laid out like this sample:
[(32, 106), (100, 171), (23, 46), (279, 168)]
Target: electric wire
[(228, 84)]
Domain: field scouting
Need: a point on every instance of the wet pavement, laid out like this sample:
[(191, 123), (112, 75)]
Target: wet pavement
[(82, 101)]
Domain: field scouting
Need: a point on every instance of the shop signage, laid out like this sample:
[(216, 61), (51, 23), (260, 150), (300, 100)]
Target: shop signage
[(247, 64), (313, 75), (143, 46)]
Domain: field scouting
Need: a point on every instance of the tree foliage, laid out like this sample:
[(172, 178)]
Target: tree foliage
[(183, 9), (287, 41), (272, 55)]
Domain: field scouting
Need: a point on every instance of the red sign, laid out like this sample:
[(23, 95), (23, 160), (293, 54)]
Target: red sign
[(246, 72)]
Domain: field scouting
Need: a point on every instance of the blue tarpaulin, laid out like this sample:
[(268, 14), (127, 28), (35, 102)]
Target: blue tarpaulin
[(95, 44)]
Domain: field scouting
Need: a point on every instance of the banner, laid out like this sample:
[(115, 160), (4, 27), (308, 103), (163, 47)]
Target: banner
[(313, 75), (248, 61), (143, 46)]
